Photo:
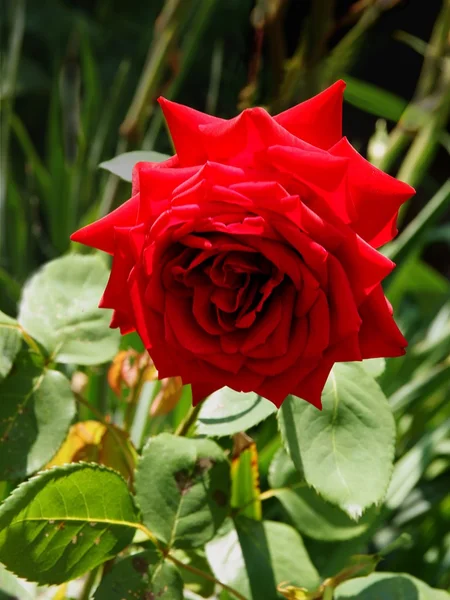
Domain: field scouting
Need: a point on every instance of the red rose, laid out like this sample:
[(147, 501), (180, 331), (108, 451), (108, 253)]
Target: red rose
[(248, 259)]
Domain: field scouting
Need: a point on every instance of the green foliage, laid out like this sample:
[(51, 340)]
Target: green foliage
[(251, 557), (389, 586), (346, 450), (308, 512), (36, 411), (140, 575), (64, 522), (373, 99), (182, 488), (10, 342), (59, 309), (122, 165), (227, 412)]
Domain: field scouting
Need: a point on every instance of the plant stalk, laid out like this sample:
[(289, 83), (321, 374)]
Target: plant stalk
[(189, 419), (207, 576), (12, 64)]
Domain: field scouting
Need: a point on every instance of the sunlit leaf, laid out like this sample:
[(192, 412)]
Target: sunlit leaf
[(59, 308), (182, 488), (388, 586), (346, 450), (309, 512), (10, 342), (36, 410), (64, 522), (12, 588), (142, 575), (227, 412), (92, 441), (122, 165), (257, 556), (245, 490)]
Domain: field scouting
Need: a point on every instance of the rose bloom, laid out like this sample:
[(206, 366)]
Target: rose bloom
[(249, 258)]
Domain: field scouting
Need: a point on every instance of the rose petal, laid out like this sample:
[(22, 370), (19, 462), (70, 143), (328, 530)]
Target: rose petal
[(379, 334), (183, 123), (318, 120), (375, 196), (100, 234)]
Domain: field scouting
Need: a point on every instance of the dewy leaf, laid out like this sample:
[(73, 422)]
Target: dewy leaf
[(141, 575), (10, 342), (59, 308), (36, 410), (310, 513), (347, 449), (227, 412), (64, 522), (122, 165), (388, 586), (258, 556), (182, 487)]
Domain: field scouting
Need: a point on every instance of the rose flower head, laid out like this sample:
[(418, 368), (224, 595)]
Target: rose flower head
[(249, 258)]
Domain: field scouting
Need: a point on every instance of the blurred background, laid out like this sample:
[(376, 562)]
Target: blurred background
[(78, 85)]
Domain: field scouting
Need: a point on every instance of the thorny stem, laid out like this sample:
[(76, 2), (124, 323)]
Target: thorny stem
[(207, 576)]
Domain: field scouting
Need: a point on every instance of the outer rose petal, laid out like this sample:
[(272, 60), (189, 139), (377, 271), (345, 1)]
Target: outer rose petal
[(379, 334), (183, 123), (310, 388), (100, 234), (375, 196), (318, 120)]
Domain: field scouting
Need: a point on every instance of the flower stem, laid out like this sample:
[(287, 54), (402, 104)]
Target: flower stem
[(89, 583), (207, 576), (189, 419)]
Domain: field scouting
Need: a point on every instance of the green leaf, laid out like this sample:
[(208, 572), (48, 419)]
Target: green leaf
[(227, 412), (142, 575), (10, 342), (12, 588), (412, 465), (193, 582), (66, 521), (373, 99), (388, 586), (374, 366), (245, 488), (258, 556), (346, 450), (59, 309), (122, 165), (182, 488), (35, 414), (308, 512)]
